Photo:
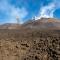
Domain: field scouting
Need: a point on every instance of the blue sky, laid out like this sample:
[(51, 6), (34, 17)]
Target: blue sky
[(27, 9)]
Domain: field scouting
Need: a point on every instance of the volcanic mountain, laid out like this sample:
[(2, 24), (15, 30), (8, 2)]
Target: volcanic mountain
[(43, 23), (30, 41)]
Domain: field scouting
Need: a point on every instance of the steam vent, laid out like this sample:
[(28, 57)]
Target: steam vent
[(17, 19)]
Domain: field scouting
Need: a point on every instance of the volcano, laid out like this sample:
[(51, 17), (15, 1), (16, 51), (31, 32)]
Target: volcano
[(43, 23), (30, 41)]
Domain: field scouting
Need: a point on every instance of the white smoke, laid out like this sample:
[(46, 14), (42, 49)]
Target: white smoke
[(47, 11)]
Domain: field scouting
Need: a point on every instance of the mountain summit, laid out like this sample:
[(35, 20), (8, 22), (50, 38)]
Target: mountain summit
[(43, 23)]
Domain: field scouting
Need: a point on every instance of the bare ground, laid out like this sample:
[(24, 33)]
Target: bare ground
[(29, 44)]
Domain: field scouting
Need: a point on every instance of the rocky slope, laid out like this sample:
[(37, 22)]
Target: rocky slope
[(10, 26), (43, 23), (29, 45)]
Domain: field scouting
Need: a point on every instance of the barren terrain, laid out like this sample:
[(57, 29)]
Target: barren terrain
[(34, 40), (29, 44)]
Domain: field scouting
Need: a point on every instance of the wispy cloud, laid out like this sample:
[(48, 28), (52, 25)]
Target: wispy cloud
[(11, 12)]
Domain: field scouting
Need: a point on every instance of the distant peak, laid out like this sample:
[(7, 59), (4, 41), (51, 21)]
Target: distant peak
[(48, 19), (39, 18)]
